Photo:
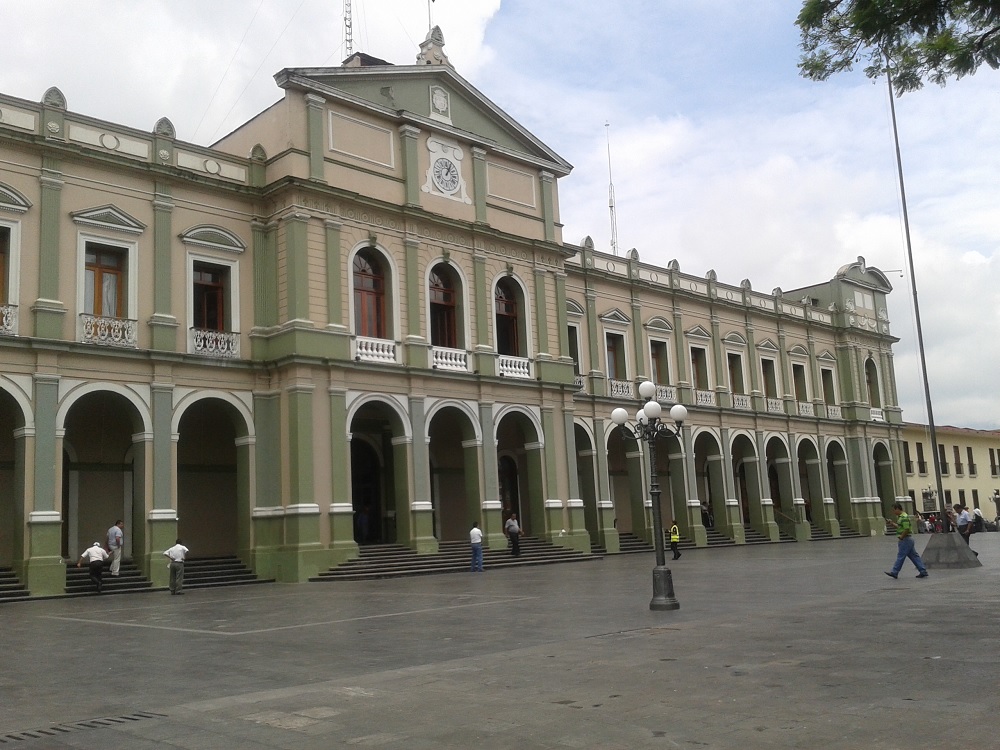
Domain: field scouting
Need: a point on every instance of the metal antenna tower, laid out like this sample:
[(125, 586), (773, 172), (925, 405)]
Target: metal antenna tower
[(348, 29), (611, 194)]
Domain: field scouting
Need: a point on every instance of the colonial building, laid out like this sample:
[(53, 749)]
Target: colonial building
[(970, 467), (354, 319)]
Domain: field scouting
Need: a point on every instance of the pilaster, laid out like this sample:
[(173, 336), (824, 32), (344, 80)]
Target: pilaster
[(315, 109)]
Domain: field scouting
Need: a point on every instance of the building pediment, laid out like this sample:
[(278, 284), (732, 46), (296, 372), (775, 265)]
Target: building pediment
[(108, 218), (659, 324), (698, 332), (432, 97), (214, 238), (767, 345), (615, 317), (12, 200)]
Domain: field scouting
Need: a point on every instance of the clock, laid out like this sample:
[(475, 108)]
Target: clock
[(445, 175)]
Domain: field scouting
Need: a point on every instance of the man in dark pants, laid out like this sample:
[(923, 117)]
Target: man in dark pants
[(177, 554), (95, 557), (675, 538), (513, 532)]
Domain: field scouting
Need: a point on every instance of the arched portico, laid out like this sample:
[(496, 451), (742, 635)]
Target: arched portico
[(520, 456), (13, 445), (789, 517), (747, 481), (885, 487), (839, 479), (454, 452), (710, 485)]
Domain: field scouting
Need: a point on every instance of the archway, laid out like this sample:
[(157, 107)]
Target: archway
[(586, 474), (811, 482), (519, 455), (454, 472), (885, 487), (98, 479), (779, 479), (213, 511), (380, 460), (711, 490), (12, 482), (839, 480), (746, 480)]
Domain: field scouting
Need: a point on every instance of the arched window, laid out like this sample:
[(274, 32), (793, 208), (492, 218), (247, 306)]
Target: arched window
[(507, 319), (443, 301), (369, 295)]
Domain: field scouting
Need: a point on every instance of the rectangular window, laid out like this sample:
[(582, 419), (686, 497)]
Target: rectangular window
[(829, 394), (972, 463), (736, 373), (947, 498), (770, 380), (573, 336), (699, 368), (659, 366), (616, 356), (104, 281), (958, 461), (210, 283), (993, 463), (864, 300), (961, 496), (921, 461), (906, 458), (799, 379), (975, 498), (942, 458)]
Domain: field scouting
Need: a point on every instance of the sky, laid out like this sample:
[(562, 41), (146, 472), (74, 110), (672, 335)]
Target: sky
[(722, 156)]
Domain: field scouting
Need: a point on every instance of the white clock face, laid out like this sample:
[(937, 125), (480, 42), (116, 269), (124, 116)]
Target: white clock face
[(445, 175)]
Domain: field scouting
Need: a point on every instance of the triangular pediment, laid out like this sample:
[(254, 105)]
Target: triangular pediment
[(615, 317), (767, 345), (12, 200), (698, 332), (432, 97), (826, 356), (109, 218)]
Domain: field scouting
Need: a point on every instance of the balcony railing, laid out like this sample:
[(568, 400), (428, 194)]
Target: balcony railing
[(704, 398), (666, 394), (775, 406), (877, 415), (806, 409), (621, 388), (742, 401), (515, 367), (102, 331), (8, 320), (833, 412), (921, 467), (579, 382), (456, 360), (375, 350), (219, 344)]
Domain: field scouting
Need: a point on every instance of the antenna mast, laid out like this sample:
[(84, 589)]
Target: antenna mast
[(611, 194), (348, 29)]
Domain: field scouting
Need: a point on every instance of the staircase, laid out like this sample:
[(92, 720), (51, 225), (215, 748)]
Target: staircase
[(819, 534), (627, 544), (11, 588), (395, 560), (210, 572), (846, 530), (129, 578)]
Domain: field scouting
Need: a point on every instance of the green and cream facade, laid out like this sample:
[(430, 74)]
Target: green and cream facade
[(354, 319)]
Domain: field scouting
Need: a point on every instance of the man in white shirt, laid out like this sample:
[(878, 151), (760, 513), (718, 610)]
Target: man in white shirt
[(513, 531), (476, 540), (177, 555), (964, 522), (116, 541), (95, 557)]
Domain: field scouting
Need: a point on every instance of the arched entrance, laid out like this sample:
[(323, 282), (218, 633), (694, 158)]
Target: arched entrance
[(746, 479), (839, 480), (98, 479), (586, 475), (213, 511), (12, 551), (811, 482), (711, 490), (779, 480), (519, 456), (884, 485), (380, 459), (456, 495)]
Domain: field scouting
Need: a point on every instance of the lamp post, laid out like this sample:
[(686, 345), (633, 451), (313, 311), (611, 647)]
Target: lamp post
[(647, 429)]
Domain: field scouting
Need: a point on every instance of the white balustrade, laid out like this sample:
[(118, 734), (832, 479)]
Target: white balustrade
[(622, 388), (877, 415), (514, 367), (218, 344), (666, 394), (833, 412), (450, 359), (806, 409), (742, 401), (102, 331), (375, 350), (775, 406), (704, 398)]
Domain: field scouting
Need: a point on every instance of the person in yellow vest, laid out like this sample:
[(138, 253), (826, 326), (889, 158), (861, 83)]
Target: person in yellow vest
[(675, 537)]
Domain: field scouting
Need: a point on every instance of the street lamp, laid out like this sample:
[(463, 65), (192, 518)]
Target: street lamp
[(648, 428)]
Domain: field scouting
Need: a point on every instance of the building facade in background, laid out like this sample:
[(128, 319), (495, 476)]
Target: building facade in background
[(355, 320)]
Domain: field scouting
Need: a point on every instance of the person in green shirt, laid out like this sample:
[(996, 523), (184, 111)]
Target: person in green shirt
[(675, 537), (904, 543)]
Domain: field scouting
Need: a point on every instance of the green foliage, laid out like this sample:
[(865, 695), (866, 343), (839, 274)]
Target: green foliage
[(918, 40)]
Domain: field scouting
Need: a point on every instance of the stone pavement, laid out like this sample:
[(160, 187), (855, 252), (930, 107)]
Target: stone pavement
[(780, 646)]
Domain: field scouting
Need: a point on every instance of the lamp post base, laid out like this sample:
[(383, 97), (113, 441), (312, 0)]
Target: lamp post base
[(663, 590)]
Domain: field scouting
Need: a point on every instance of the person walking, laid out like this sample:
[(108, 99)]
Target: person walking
[(116, 541), (476, 540), (904, 543), (513, 532), (675, 538), (177, 554), (95, 557)]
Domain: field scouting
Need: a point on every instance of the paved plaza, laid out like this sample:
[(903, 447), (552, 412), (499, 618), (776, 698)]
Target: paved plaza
[(780, 646)]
